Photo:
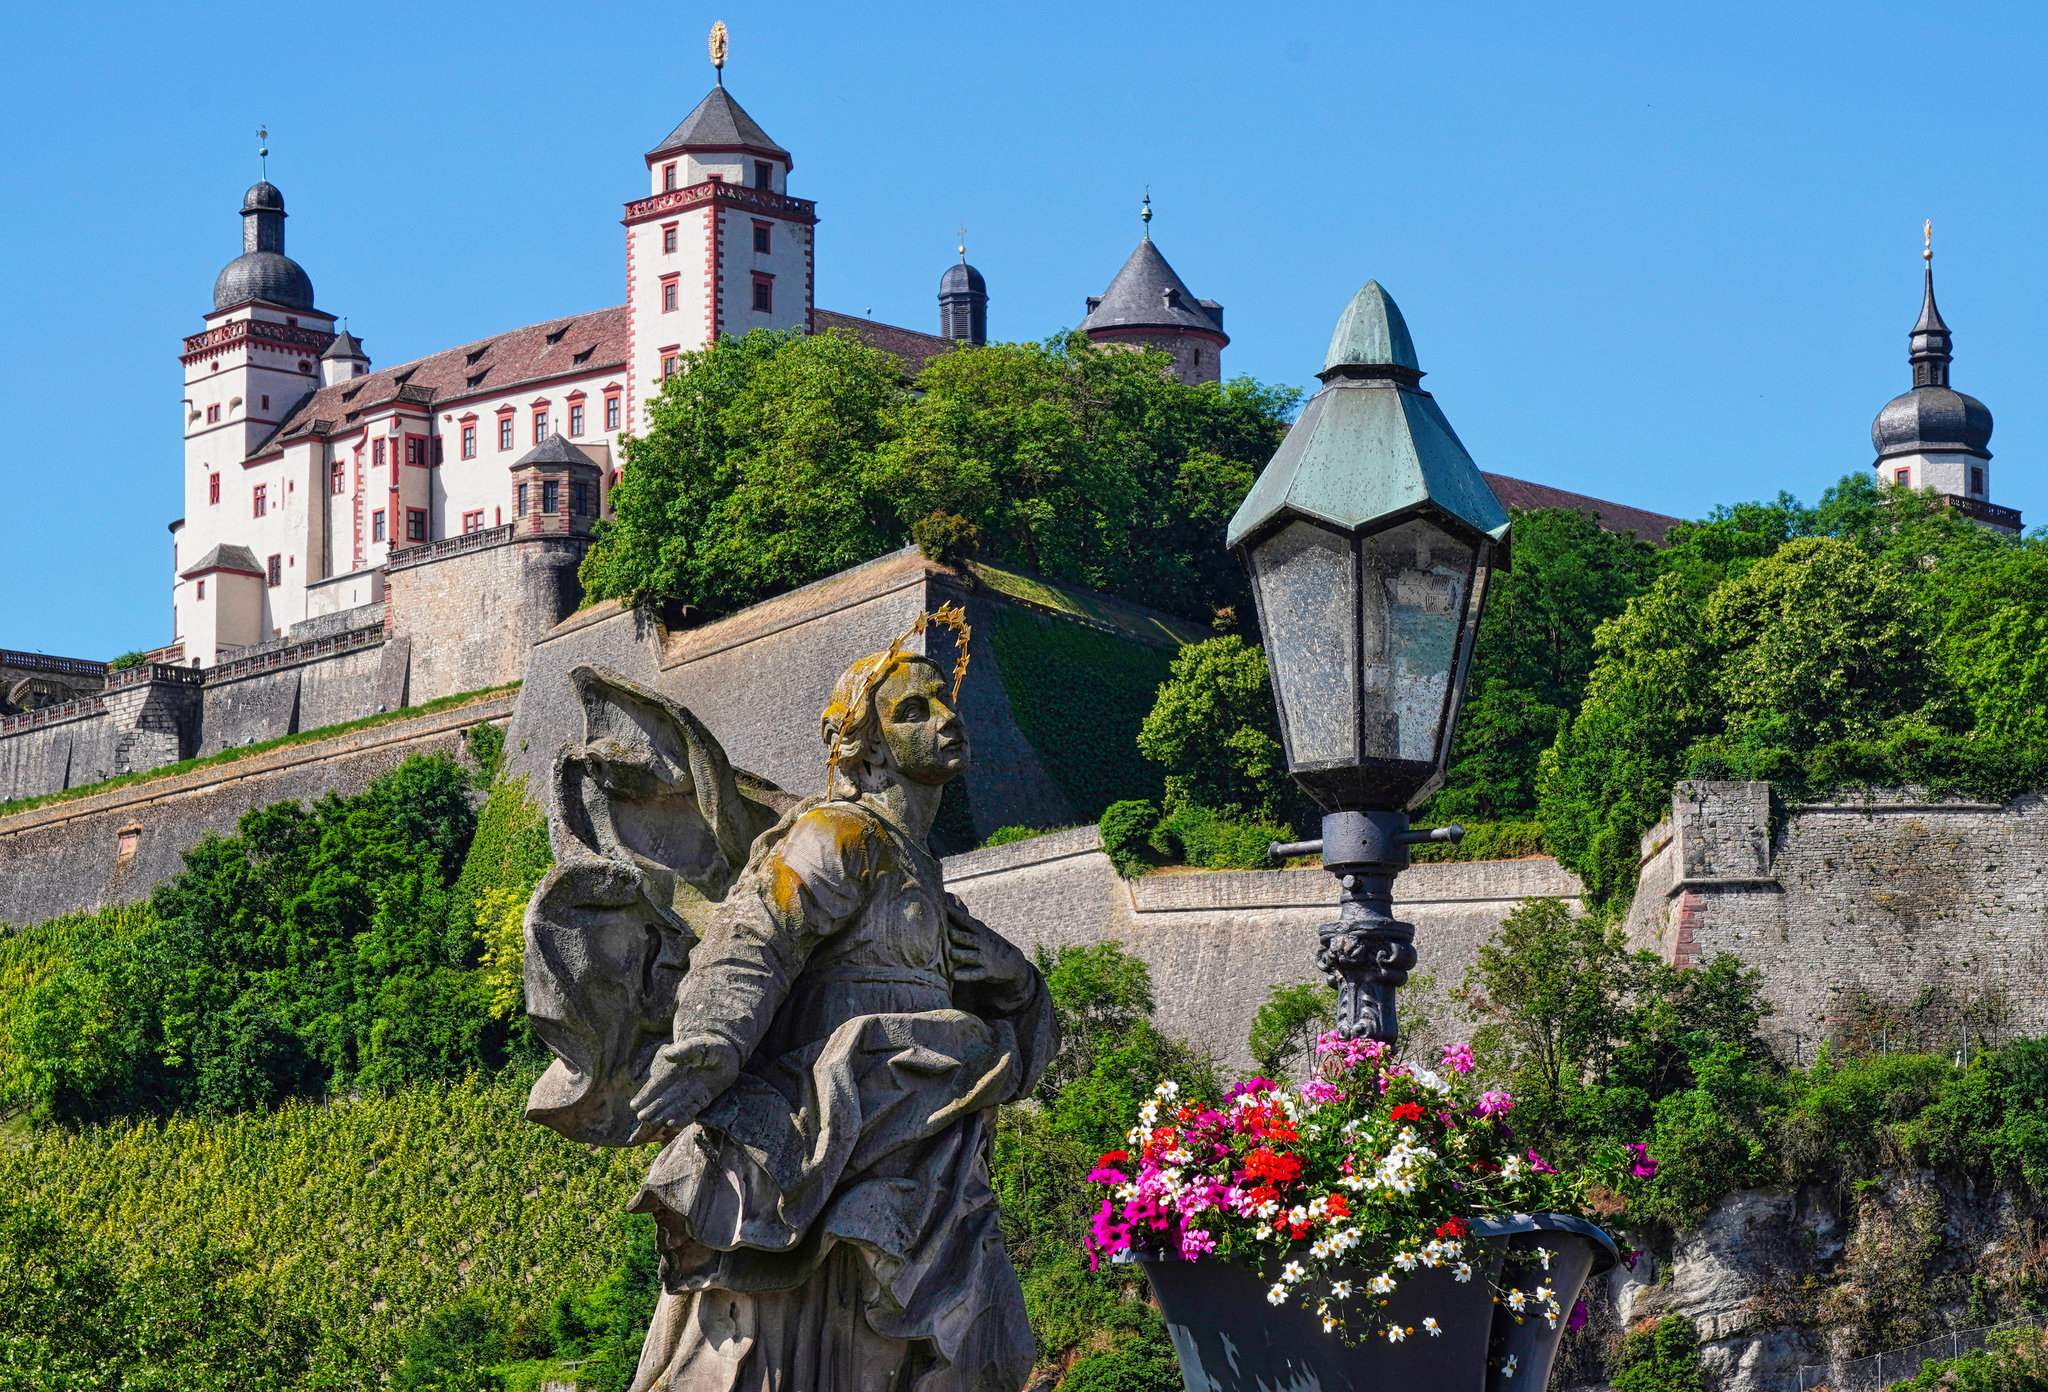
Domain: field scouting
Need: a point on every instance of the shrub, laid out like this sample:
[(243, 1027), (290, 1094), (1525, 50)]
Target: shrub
[(1125, 829), (1662, 1358), (1203, 838), (1286, 1026)]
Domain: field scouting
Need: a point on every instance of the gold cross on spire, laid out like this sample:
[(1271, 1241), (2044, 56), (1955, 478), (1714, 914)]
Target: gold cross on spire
[(718, 50), (1927, 250)]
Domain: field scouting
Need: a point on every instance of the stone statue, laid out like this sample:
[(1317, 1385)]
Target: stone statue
[(782, 994)]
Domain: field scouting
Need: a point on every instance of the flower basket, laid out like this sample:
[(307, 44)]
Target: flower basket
[(1229, 1339)]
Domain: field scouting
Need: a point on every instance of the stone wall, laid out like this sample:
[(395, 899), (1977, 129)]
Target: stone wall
[(1218, 942), (1891, 921), (67, 857), (146, 717), (471, 607)]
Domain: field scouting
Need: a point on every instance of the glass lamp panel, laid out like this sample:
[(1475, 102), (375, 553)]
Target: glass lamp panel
[(1417, 585), (1306, 600)]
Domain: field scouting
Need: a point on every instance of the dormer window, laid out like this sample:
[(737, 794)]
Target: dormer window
[(556, 336), (668, 177), (478, 353), (764, 174)]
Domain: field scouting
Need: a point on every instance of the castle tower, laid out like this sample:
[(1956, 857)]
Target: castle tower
[(717, 247), (1933, 436), (343, 360), (1146, 306), (963, 302), (253, 363)]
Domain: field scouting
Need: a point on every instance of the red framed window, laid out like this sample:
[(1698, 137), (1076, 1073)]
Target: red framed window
[(274, 570), (469, 442), (764, 292), (377, 525), (202, 589), (213, 415), (611, 413), (416, 451), (415, 524), (213, 488), (761, 234), (377, 454), (575, 420), (337, 478), (1903, 477), (540, 425), (668, 366), (670, 294), (668, 237), (505, 433), (472, 522), (259, 500), (668, 177)]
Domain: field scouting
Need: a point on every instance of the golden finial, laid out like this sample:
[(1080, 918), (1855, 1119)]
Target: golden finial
[(1927, 251), (263, 150), (963, 243), (718, 49)]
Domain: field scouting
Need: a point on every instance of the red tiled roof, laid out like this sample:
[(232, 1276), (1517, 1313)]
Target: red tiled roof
[(506, 361), (1612, 517), (915, 349)]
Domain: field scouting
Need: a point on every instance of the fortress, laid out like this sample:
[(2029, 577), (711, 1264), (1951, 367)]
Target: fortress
[(432, 557)]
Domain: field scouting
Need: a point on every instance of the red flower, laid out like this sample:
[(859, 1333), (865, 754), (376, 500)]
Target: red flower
[(1336, 1207), (1265, 1163), (1113, 1157), (1408, 1111), (1455, 1228)]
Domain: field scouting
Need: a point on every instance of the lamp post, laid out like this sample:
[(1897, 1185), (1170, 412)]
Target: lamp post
[(1368, 539)]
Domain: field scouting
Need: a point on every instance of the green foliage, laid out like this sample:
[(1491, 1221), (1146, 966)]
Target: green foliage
[(1486, 841), (1142, 1364), (2015, 1360), (486, 745), (1534, 652), (128, 659), (313, 949), (1875, 638), (1110, 1057), (1214, 730), (774, 459), (359, 1217), (1010, 835), (1079, 696), (1285, 1028), (1193, 835), (1126, 828), (1663, 1358)]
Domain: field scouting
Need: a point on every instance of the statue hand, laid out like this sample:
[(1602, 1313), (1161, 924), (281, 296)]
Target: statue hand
[(982, 957), (686, 1076)]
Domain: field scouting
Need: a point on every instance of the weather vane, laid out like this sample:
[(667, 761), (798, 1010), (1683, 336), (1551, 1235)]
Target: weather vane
[(1927, 251), (718, 49), (263, 150), (963, 243), (1145, 214)]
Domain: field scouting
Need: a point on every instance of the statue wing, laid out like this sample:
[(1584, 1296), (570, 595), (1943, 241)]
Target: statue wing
[(651, 825)]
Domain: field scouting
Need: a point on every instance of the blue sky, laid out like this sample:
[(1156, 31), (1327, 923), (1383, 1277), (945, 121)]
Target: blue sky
[(1666, 255)]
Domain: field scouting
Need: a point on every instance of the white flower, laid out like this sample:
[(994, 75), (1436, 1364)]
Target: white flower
[(1512, 1169), (1507, 1369), (1464, 1271), (1432, 1326), (1381, 1283), (1297, 1215), (1544, 1252), (1543, 1292), (1516, 1300), (1328, 1324), (1405, 1260), (1342, 1290), (1276, 1295), (1395, 1334), (1292, 1272), (1430, 1080)]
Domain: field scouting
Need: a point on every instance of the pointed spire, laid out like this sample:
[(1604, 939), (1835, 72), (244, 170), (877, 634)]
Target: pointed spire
[(1145, 217), (1932, 345)]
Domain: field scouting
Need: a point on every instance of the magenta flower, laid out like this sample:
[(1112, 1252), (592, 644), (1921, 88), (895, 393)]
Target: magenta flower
[(1493, 1104), (1644, 1167), (1194, 1243), (1578, 1318), (1318, 1091), (1458, 1057), (1536, 1163), (1247, 1089)]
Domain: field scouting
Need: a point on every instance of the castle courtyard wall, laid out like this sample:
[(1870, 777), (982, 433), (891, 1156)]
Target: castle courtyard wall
[(472, 607)]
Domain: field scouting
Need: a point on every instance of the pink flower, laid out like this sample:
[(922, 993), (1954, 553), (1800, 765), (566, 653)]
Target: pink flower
[(1103, 1174), (1458, 1057), (1644, 1167), (1536, 1164), (1194, 1242), (1493, 1104), (1318, 1091), (1577, 1321)]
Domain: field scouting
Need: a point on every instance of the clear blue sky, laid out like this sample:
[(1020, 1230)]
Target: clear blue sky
[(1660, 257)]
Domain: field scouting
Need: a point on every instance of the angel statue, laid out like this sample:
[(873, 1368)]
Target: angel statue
[(781, 992)]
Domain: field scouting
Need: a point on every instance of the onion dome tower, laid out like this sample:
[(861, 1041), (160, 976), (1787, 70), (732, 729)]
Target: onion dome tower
[(963, 302), (1147, 306), (263, 272), (1932, 436)]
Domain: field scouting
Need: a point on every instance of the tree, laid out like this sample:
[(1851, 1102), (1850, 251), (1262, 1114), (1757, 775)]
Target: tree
[(1214, 729), (774, 459), (1287, 1024), (1994, 645)]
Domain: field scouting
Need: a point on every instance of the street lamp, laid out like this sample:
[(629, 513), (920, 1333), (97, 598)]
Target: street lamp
[(1368, 539)]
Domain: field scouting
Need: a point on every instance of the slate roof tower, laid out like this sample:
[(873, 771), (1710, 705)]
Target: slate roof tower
[(1147, 306), (1933, 436), (963, 302)]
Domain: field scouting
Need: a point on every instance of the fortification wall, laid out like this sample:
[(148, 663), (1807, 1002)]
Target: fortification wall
[(74, 856), (471, 607), (1892, 921), (548, 715), (1217, 943)]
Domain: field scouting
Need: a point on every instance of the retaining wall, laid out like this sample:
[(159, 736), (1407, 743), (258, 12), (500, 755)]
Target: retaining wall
[(1217, 943), (67, 857), (1882, 922), (472, 606)]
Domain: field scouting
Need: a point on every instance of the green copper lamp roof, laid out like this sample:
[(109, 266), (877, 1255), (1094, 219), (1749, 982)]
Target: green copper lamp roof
[(1371, 443)]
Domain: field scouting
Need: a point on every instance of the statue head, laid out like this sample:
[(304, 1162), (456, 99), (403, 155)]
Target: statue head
[(891, 716)]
